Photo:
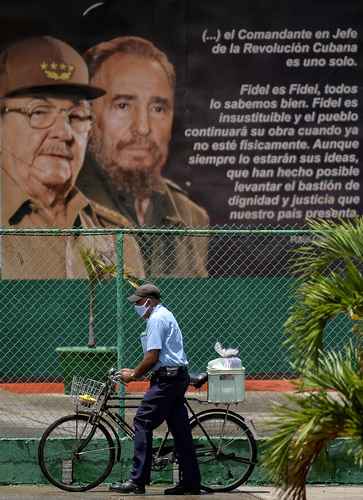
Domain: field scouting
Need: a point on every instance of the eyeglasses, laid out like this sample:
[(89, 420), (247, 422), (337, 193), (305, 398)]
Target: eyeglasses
[(43, 116)]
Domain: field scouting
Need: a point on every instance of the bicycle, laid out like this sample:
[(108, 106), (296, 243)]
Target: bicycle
[(77, 452)]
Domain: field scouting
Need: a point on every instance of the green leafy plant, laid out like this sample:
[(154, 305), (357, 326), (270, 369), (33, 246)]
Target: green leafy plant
[(99, 267), (307, 422), (330, 283)]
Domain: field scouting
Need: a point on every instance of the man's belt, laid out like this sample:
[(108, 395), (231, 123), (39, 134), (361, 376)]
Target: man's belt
[(171, 371)]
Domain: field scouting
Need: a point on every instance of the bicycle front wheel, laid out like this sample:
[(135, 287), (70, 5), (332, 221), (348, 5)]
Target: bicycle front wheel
[(226, 449), (76, 455)]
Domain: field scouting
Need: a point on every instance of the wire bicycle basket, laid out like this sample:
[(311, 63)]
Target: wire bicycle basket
[(86, 393)]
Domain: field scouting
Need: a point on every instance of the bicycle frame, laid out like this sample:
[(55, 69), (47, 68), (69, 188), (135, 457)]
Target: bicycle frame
[(214, 431), (115, 422)]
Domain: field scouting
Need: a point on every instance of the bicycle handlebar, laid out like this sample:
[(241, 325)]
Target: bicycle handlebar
[(114, 377)]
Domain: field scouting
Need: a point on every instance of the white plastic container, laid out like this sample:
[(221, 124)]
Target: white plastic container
[(223, 363), (226, 386)]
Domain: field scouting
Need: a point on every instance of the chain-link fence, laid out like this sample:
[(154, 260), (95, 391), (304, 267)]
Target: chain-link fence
[(63, 291)]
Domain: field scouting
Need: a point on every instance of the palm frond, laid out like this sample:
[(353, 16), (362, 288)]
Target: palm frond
[(97, 265), (319, 299), (305, 423), (331, 283), (333, 242), (132, 280)]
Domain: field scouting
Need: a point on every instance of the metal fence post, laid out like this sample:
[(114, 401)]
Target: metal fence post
[(120, 297)]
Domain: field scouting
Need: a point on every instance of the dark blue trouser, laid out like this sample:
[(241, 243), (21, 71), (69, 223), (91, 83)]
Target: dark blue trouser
[(164, 401)]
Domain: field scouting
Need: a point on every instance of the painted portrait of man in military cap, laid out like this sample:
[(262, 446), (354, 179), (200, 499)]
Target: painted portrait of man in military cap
[(45, 123), (129, 147)]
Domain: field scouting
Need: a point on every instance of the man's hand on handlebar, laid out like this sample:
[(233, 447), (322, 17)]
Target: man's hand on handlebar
[(127, 374), (149, 360)]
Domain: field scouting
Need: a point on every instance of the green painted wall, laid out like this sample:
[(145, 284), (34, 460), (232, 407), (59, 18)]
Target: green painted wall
[(18, 465), (39, 316)]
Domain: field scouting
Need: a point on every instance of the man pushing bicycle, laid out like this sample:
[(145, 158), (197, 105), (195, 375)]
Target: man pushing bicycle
[(164, 355)]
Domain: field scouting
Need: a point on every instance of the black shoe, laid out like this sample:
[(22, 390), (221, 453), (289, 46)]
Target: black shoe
[(128, 487), (183, 489)]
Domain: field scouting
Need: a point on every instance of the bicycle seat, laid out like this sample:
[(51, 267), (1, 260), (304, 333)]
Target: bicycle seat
[(198, 379)]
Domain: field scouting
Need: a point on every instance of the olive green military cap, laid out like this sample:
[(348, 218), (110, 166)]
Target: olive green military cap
[(44, 64)]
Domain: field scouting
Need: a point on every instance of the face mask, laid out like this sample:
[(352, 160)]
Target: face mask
[(142, 310)]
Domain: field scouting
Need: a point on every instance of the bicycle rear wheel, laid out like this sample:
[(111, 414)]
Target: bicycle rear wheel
[(76, 455), (226, 449)]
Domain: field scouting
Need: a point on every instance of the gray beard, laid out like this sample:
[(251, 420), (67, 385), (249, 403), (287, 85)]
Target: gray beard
[(138, 182)]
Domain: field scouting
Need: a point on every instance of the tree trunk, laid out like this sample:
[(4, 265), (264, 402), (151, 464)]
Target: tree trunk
[(91, 316)]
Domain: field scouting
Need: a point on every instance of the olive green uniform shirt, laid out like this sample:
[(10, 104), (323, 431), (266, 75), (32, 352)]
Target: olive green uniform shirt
[(57, 257), (169, 207)]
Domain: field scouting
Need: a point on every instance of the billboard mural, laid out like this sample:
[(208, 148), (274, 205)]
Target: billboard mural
[(180, 114)]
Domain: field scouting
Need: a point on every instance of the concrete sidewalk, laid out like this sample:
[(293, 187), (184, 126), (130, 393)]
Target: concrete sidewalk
[(28, 415), (102, 493), (156, 493)]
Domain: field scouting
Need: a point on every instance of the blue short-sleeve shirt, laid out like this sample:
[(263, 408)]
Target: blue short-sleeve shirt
[(163, 333)]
